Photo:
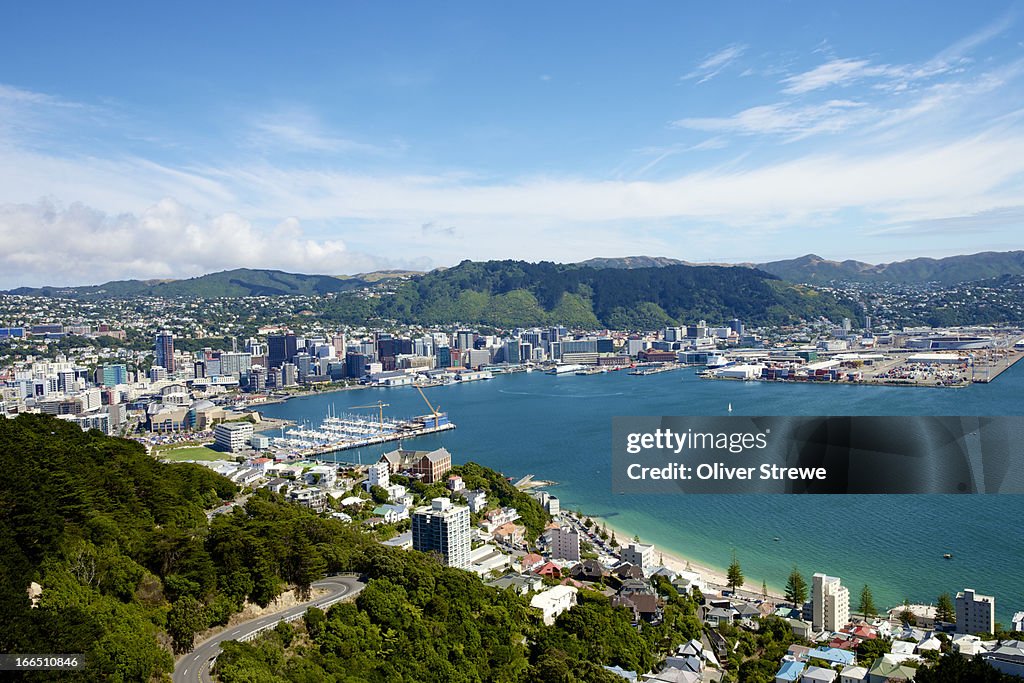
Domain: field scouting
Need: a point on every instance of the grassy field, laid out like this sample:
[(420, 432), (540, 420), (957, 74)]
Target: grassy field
[(194, 453)]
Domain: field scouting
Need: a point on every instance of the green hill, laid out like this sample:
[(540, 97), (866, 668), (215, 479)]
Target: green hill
[(946, 271), (517, 293), (229, 283)]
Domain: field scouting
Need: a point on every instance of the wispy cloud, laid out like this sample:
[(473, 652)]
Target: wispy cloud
[(835, 72), (715, 63), (792, 121), (300, 130)]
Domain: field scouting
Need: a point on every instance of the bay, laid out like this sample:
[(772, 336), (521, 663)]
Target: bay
[(559, 428)]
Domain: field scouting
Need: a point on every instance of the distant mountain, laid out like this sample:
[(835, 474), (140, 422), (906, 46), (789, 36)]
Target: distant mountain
[(947, 271), (229, 283), (629, 262), (516, 293)]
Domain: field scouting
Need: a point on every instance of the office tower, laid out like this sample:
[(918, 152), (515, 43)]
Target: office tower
[(164, 348)]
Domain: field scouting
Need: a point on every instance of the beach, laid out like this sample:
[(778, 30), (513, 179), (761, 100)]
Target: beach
[(714, 579)]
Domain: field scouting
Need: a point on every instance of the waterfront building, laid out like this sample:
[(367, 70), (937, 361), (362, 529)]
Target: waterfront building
[(164, 349), (443, 528), (830, 603), (640, 554), (232, 436), (975, 613)]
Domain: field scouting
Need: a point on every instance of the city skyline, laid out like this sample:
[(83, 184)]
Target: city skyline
[(352, 139)]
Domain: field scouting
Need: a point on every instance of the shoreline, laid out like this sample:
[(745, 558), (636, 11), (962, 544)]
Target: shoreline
[(712, 577)]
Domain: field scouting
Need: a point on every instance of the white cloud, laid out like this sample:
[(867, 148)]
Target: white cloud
[(835, 72), (715, 63), (784, 119), (299, 130), (46, 243)]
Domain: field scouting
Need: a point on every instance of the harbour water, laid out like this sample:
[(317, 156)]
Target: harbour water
[(559, 428)]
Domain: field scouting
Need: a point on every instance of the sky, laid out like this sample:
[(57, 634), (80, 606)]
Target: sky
[(146, 140)]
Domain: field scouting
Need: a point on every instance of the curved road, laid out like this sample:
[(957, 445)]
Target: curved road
[(195, 666)]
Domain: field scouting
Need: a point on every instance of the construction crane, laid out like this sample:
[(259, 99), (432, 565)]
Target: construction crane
[(380, 406), (436, 412)]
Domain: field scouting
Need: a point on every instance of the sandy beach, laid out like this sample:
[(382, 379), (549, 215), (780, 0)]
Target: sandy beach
[(714, 579)]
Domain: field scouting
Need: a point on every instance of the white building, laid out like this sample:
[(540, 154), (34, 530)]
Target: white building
[(322, 475), (1018, 622), (477, 500), (565, 544), (444, 528), (378, 474), (554, 601), (975, 613), (830, 602), (311, 497), (640, 554), (232, 436)]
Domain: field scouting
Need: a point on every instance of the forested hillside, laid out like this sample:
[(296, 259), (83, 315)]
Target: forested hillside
[(129, 567), (517, 293)]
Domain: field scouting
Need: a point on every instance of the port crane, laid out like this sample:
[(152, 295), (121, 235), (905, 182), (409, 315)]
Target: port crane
[(380, 406), (436, 412)]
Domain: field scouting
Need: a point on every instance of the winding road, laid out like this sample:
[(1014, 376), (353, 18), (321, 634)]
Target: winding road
[(195, 666)]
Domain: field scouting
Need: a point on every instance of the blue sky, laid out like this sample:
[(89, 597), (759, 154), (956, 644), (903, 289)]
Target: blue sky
[(140, 140)]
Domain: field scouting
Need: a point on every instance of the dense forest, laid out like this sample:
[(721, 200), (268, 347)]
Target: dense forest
[(516, 293), (129, 566), (417, 621)]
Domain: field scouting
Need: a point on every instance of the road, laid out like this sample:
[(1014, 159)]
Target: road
[(195, 666)]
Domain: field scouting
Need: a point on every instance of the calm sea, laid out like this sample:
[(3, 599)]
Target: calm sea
[(559, 428)]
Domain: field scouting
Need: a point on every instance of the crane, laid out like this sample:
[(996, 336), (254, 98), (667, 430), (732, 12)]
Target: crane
[(433, 411), (380, 406)]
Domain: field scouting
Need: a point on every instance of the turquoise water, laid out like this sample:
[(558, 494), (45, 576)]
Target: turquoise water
[(559, 428)]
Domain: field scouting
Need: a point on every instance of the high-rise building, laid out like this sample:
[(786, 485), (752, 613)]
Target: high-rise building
[(113, 374), (281, 348), (975, 613), (830, 603), (164, 349), (565, 544), (443, 354), (443, 528), (736, 325), (465, 339), (236, 364)]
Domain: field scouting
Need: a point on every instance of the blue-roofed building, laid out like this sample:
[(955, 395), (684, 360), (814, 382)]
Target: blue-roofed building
[(623, 673), (789, 672), (834, 655)]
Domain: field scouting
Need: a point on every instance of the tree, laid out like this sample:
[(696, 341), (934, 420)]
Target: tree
[(796, 588), (944, 610), (906, 616), (867, 602), (764, 589), (735, 575), (183, 621)]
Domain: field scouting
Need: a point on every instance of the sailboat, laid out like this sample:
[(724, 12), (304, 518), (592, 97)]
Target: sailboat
[(730, 407)]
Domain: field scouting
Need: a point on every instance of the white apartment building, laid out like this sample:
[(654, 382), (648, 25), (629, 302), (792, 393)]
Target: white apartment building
[(565, 544), (975, 613), (830, 603), (444, 528)]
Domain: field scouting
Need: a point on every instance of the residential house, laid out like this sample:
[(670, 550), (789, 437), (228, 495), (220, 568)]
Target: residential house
[(553, 602), (818, 674)]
